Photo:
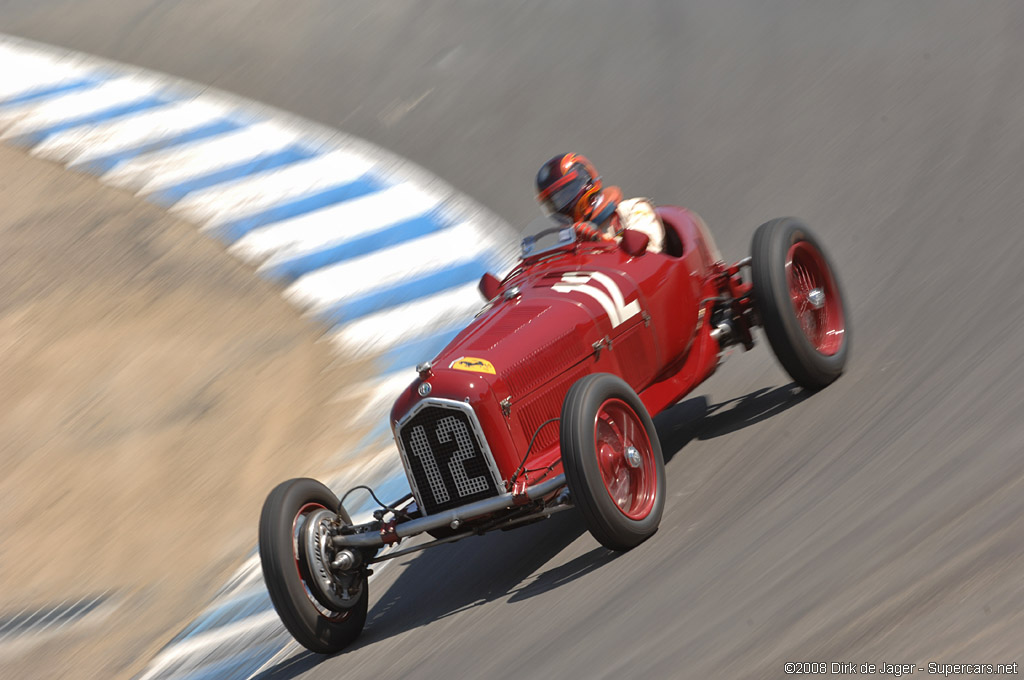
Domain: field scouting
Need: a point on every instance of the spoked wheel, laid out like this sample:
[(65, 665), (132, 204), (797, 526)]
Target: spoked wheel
[(798, 297), (613, 461), (625, 458), (324, 612)]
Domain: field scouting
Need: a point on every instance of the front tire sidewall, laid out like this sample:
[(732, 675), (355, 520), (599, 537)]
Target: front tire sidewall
[(311, 628), (808, 367), (603, 518)]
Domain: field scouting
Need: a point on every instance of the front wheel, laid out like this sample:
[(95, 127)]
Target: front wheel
[(612, 460), (797, 294), (322, 611)]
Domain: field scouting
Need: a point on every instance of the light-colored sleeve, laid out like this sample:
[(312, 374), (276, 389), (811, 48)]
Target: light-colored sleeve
[(638, 214)]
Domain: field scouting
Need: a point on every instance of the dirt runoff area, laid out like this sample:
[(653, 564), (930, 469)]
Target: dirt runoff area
[(152, 391)]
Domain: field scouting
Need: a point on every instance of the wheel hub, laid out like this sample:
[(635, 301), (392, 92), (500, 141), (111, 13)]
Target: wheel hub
[(633, 458), (313, 539), (816, 297)]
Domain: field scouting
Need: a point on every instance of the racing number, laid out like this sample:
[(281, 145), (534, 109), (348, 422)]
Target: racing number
[(612, 301), (421, 449), (447, 428)]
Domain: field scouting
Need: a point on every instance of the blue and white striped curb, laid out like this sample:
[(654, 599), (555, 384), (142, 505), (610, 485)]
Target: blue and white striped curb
[(387, 255), (31, 628)]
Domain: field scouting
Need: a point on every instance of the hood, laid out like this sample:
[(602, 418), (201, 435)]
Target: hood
[(523, 342), (550, 321)]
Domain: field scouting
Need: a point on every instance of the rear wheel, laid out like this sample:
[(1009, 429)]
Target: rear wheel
[(613, 462), (322, 611), (798, 297)]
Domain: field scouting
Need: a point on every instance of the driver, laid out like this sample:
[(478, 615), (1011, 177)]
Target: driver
[(569, 185)]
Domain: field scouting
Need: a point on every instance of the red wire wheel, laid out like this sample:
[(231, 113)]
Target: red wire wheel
[(612, 460), (815, 297), (625, 458), (800, 302), (316, 618)]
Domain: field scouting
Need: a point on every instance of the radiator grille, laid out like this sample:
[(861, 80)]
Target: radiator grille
[(447, 462)]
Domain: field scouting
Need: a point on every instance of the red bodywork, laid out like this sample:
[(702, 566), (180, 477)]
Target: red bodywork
[(567, 321)]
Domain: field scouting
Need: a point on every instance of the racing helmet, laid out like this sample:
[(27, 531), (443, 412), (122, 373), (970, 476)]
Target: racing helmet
[(568, 184)]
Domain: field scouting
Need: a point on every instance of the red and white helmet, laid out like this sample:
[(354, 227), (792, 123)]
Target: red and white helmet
[(568, 184)]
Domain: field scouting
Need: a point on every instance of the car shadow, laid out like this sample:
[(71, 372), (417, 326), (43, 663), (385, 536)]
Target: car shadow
[(475, 572), (293, 666), (680, 424), (735, 414), (462, 576), (499, 565), (695, 418), (568, 572)]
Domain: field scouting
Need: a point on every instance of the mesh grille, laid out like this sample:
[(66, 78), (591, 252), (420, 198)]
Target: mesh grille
[(447, 463)]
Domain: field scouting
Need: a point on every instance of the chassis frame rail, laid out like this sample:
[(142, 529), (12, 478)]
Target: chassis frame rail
[(377, 536)]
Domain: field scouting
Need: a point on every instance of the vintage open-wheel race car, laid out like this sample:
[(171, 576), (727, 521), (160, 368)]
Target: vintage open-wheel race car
[(544, 402)]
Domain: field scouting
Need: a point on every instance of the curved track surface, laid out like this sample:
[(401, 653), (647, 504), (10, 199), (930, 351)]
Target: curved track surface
[(877, 521)]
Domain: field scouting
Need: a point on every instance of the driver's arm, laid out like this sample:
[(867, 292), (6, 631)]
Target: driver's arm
[(588, 231)]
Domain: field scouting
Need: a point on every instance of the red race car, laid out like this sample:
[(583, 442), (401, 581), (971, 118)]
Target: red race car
[(544, 402)]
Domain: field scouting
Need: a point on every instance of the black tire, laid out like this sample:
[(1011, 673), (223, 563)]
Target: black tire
[(285, 570), (579, 431), (812, 347)]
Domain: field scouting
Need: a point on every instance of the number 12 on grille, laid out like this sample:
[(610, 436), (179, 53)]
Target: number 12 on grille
[(448, 428)]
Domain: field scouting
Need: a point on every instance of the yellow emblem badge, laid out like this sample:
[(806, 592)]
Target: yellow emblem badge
[(473, 365)]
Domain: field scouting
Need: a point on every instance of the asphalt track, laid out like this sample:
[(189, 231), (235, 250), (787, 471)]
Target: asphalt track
[(876, 521)]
